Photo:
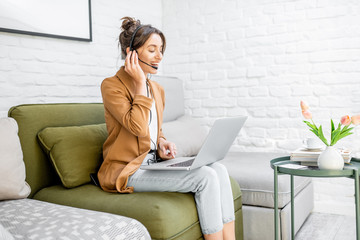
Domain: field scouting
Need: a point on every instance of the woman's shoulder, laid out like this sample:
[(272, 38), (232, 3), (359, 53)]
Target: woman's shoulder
[(119, 77), (112, 79), (112, 84)]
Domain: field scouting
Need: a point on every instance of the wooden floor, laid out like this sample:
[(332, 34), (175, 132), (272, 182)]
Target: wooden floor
[(322, 226)]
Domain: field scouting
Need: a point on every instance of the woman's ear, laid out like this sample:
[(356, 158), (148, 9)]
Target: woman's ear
[(127, 50)]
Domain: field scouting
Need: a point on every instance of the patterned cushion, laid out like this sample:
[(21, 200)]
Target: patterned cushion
[(32, 219), (4, 234)]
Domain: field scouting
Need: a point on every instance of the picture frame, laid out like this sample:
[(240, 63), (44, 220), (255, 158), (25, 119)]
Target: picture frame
[(63, 19)]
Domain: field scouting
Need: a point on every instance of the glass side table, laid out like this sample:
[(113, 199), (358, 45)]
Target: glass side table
[(283, 165)]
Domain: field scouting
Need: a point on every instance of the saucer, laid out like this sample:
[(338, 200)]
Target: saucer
[(313, 148)]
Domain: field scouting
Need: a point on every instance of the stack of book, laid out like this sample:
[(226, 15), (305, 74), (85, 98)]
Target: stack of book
[(309, 157)]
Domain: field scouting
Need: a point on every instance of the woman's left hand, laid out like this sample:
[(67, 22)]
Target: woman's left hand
[(167, 150)]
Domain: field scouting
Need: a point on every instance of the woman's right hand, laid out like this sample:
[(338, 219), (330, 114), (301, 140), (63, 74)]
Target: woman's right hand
[(133, 68)]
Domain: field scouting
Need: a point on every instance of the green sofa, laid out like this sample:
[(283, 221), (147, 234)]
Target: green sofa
[(166, 215)]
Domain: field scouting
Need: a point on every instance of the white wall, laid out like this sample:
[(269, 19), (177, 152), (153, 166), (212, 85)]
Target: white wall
[(260, 58), (45, 70), (248, 57)]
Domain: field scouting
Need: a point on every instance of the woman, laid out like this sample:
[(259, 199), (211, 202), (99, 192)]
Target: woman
[(133, 112)]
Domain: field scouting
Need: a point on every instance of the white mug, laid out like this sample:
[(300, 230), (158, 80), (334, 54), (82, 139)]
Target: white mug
[(312, 143)]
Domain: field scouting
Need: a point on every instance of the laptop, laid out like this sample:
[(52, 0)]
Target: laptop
[(214, 148)]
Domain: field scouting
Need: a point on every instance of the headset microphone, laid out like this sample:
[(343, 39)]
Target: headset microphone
[(147, 64), (131, 47)]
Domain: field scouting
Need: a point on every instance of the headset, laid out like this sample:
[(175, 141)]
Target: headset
[(152, 151), (132, 48)]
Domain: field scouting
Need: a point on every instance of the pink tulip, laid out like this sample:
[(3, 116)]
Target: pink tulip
[(307, 114), (304, 106), (345, 120), (355, 119)]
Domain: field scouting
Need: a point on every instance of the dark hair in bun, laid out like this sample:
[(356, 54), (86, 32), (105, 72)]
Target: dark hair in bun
[(128, 26)]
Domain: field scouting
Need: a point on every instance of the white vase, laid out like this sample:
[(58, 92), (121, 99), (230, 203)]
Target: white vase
[(330, 159)]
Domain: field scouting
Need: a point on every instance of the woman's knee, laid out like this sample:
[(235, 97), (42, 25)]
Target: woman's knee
[(207, 176), (219, 168), (206, 171)]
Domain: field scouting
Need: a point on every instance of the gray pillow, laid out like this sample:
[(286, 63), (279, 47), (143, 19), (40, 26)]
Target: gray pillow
[(187, 133)]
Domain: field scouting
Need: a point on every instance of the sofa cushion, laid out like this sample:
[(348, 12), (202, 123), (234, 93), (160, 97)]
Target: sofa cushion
[(151, 208), (75, 151), (4, 234), (33, 219), (255, 176), (187, 134), (174, 97), (12, 168)]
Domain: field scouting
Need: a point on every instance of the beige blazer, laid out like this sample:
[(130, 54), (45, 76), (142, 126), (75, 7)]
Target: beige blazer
[(127, 122)]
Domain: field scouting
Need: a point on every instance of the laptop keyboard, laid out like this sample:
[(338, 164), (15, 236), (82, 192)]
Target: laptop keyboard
[(183, 164)]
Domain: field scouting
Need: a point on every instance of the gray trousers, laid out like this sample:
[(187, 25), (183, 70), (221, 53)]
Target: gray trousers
[(211, 185)]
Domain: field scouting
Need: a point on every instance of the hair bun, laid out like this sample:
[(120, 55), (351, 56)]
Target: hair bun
[(129, 23)]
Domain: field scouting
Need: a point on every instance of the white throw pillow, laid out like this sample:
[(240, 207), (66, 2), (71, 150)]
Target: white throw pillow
[(187, 134), (12, 168)]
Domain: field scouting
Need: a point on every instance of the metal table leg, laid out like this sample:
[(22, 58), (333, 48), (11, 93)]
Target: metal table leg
[(276, 212), (292, 207), (357, 210)]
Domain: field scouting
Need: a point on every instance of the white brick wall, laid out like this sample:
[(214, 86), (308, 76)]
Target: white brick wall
[(260, 58), (46, 70), (237, 57)]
